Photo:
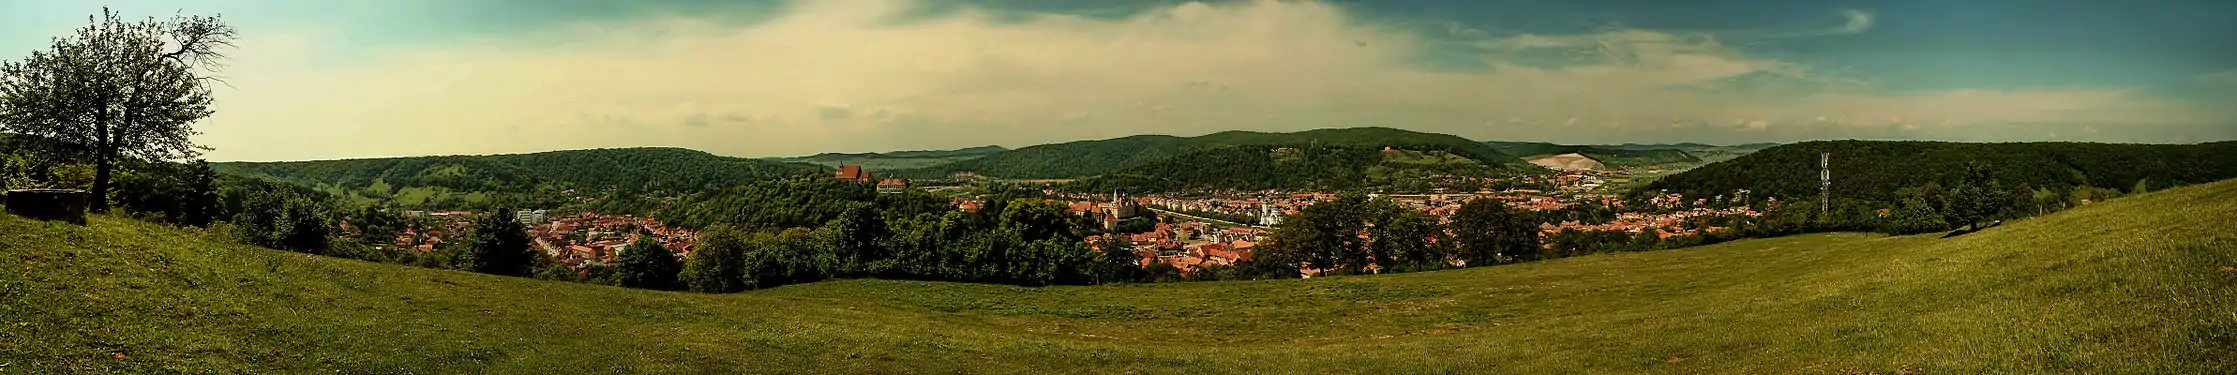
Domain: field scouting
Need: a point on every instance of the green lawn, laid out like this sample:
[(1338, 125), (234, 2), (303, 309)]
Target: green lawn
[(2131, 286)]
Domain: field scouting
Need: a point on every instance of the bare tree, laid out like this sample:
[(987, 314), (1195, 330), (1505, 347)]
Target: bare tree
[(117, 89)]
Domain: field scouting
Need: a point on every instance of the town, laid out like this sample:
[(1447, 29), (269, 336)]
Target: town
[(1189, 231)]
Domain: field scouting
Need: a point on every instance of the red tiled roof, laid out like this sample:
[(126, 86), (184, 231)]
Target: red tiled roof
[(853, 172)]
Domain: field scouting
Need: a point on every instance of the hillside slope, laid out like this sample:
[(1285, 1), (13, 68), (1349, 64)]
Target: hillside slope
[(645, 169), (2139, 285), (1090, 158), (1874, 170)]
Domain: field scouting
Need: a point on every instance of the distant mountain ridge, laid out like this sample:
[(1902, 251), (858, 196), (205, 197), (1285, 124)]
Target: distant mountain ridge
[(1079, 159)]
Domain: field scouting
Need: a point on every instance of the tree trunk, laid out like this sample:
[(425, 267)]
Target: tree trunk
[(98, 201)]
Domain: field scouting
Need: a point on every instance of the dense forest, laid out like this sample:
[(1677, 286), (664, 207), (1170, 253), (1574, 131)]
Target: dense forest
[(1299, 167), (621, 171), (1875, 171), (1090, 158)]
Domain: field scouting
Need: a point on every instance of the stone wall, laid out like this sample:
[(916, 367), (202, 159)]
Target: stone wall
[(48, 204)]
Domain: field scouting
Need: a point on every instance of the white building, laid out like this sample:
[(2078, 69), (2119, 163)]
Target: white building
[(527, 217), (1268, 215)]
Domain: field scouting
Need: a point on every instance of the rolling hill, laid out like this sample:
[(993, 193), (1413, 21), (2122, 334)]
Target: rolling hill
[(2141, 285), (1320, 168), (1874, 170), (621, 170), (1089, 158), (881, 161)]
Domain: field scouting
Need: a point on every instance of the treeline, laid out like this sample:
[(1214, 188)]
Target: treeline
[(1873, 172), (1975, 197), (795, 231), (597, 172), (1295, 167), (1090, 158), (1352, 234)]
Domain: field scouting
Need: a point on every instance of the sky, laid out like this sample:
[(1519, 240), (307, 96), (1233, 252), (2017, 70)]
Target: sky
[(374, 78)]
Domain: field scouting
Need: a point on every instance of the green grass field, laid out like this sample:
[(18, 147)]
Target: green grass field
[(2138, 285)]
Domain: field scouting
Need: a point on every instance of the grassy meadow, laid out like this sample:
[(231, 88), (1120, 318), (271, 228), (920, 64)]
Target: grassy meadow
[(2141, 285)]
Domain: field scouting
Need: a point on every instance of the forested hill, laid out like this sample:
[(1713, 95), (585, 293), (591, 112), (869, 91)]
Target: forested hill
[(1090, 158), (1874, 170), (617, 169), (1320, 168)]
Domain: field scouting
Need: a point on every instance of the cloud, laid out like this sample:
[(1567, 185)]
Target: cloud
[(1858, 22), (844, 75)]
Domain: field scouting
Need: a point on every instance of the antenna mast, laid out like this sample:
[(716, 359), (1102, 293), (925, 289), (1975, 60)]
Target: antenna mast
[(1825, 182)]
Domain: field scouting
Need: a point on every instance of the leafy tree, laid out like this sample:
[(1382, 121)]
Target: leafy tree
[(1976, 197), (717, 263), (793, 256), (280, 219), (1118, 262), (860, 242), (1489, 232), (1403, 239), (1037, 220), (1325, 235), (308, 228), (1913, 216), (117, 89), (500, 246), (646, 264)]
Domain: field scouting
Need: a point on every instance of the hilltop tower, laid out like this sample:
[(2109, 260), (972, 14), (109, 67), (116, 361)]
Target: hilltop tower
[(1825, 183)]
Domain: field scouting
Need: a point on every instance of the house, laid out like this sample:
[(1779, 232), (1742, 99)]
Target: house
[(854, 173), (892, 185)]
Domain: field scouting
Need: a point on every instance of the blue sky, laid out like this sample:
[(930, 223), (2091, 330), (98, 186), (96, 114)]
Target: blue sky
[(377, 78)]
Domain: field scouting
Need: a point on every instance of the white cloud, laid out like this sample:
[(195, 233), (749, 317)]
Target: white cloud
[(839, 76), (1858, 22)]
